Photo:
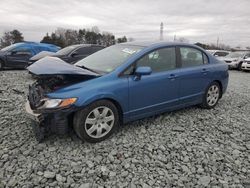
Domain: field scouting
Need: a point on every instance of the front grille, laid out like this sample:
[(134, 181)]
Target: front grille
[(228, 61), (35, 95), (248, 62)]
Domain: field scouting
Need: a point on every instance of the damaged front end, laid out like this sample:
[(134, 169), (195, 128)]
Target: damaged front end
[(49, 115)]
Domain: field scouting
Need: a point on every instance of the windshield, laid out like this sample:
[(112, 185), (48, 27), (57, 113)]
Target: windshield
[(65, 51), (9, 47), (109, 58), (235, 54)]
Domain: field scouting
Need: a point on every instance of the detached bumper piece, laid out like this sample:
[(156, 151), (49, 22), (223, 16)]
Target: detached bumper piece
[(47, 123)]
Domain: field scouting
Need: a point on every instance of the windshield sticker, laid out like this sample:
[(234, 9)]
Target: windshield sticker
[(109, 69), (129, 51)]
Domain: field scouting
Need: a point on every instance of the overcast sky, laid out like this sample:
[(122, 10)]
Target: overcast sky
[(196, 20)]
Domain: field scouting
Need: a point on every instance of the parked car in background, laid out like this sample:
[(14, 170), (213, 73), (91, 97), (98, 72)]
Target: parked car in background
[(70, 54), (246, 65), (218, 53), (234, 60), (122, 83), (17, 55)]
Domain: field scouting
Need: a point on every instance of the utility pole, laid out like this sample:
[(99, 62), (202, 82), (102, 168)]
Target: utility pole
[(161, 31), (218, 42), (174, 37)]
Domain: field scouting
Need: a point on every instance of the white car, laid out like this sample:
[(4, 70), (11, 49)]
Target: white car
[(235, 59), (246, 64), (218, 53)]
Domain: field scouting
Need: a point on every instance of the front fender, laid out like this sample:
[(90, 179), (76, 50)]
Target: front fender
[(90, 99)]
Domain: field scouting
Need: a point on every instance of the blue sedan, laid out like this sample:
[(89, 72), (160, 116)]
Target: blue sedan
[(119, 84)]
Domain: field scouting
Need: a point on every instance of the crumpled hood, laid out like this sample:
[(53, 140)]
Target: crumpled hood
[(56, 66)]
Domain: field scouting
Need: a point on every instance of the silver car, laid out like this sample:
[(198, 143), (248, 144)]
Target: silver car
[(235, 59)]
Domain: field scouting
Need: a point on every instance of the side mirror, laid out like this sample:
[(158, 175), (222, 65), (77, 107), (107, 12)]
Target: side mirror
[(142, 71)]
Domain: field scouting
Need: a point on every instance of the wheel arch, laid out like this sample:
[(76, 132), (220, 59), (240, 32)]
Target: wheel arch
[(112, 100), (118, 106), (2, 61), (221, 86)]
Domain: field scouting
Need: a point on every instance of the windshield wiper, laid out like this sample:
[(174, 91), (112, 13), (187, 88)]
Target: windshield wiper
[(83, 67)]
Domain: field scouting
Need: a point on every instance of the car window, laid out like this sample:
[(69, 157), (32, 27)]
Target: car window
[(22, 49), (159, 60), (96, 48), (247, 56), (113, 56), (84, 51), (191, 57), (220, 54), (66, 50)]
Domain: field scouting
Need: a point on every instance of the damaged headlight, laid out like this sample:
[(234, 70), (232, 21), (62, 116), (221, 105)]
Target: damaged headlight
[(57, 103)]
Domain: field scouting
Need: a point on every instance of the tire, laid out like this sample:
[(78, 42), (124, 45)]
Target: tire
[(212, 96), (239, 66), (90, 124), (1, 65)]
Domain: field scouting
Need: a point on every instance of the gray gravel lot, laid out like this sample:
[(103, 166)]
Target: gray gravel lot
[(192, 147)]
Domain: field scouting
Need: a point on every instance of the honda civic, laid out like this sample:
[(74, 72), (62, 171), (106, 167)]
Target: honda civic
[(120, 84)]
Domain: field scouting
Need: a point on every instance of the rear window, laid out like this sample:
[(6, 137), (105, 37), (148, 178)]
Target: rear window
[(191, 57)]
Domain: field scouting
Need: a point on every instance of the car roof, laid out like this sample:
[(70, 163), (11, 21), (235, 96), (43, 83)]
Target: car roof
[(85, 45), (157, 43), (36, 44), (217, 50)]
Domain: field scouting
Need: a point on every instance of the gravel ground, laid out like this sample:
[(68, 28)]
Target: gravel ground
[(192, 147)]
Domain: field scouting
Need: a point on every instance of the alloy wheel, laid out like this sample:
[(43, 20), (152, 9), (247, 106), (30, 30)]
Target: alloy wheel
[(213, 95), (99, 122)]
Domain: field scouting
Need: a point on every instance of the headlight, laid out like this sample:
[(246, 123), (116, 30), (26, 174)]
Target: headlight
[(56, 103)]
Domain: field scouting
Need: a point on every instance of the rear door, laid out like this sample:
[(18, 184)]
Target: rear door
[(194, 75), (158, 91), (19, 57)]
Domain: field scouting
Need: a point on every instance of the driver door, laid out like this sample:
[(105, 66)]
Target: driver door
[(19, 57), (157, 92)]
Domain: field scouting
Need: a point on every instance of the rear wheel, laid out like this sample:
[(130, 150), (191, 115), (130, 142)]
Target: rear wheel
[(1, 65), (97, 121), (211, 96)]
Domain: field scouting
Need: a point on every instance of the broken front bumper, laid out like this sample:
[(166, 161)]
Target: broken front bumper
[(36, 121), (31, 114), (45, 123)]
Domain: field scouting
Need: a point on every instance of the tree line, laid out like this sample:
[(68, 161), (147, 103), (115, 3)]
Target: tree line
[(64, 37)]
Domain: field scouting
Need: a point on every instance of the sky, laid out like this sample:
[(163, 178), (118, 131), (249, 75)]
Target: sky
[(196, 20)]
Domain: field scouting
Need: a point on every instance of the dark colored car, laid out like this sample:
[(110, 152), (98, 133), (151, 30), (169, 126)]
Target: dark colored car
[(122, 83), (17, 55), (70, 54)]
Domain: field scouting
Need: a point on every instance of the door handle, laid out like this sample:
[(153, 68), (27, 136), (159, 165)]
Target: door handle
[(172, 76), (204, 71)]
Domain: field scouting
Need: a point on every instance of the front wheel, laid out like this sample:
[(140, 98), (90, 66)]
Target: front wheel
[(239, 66), (212, 96), (97, 121)]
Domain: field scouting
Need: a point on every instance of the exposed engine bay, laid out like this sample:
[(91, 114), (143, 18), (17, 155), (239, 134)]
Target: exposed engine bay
[(50, 83)]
